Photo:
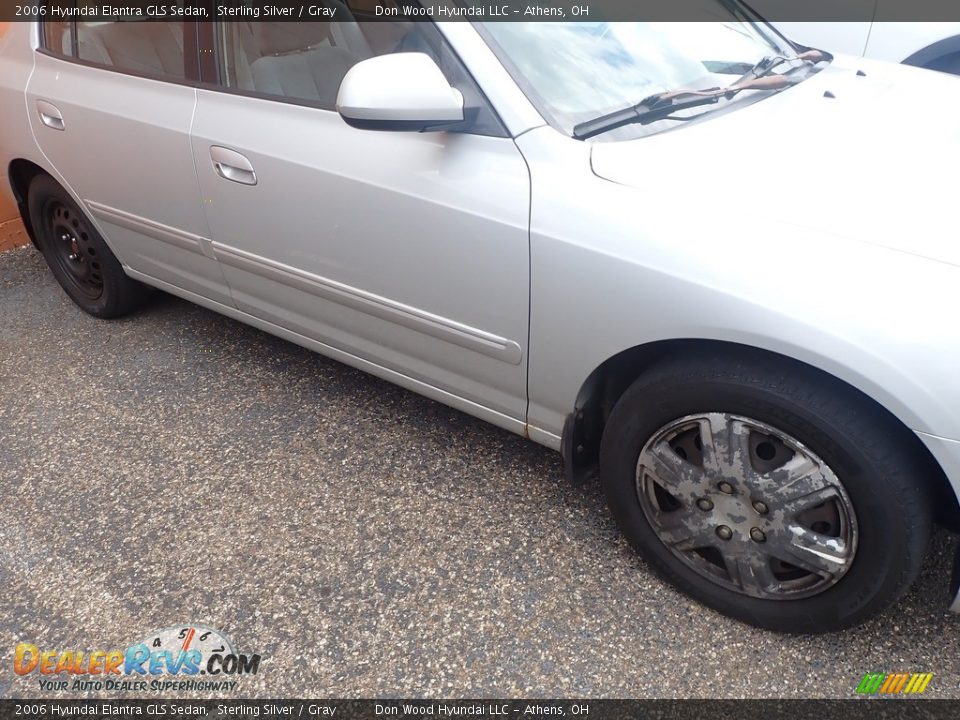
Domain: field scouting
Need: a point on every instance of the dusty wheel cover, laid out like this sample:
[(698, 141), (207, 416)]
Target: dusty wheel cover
[(747, 506)]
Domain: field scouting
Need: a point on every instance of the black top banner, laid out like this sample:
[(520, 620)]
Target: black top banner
[(534, 709), (475, 10)]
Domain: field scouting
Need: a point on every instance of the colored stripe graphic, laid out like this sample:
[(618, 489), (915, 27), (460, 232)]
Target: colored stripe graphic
[(871, 683), (189, 639), (894, 683)]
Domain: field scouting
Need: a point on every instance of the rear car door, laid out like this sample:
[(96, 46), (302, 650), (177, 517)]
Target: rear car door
[(111, 105), (408, 251)]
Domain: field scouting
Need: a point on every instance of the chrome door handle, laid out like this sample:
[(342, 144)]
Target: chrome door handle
[(50, 115), (232, 166)]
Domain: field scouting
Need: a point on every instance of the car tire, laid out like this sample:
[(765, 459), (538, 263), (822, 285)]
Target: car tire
[(77, 255), (760, 548)]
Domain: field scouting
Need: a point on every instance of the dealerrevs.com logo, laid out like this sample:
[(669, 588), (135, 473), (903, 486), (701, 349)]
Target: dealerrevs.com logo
[(171, 659)]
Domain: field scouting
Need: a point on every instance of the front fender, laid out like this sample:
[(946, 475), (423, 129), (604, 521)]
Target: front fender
[(614, 268)]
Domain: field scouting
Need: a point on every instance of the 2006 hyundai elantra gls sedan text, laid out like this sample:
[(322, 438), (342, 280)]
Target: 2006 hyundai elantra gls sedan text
[(713, 268)]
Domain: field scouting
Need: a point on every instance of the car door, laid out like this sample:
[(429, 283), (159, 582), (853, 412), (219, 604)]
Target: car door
[(406, 251), (111, 105)]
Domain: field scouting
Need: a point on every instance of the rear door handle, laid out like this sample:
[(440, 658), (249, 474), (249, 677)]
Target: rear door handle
[(232, 166), (50, 115)]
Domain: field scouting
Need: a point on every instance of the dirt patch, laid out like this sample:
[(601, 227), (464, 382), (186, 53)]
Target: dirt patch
[(12, 235)]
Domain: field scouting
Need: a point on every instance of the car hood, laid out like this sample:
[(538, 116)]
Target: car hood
[(862, 150)]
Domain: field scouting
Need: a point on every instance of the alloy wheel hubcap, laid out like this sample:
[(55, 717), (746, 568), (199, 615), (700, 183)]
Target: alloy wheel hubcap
[(747, 506)]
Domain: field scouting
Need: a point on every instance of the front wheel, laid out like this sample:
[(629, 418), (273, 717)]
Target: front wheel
[(770, 493)]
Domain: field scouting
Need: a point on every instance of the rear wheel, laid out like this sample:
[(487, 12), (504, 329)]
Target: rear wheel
[(766, 492), (77, 255)]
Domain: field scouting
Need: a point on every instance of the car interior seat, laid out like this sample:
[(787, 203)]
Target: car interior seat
[(298, 61), (305, 60)]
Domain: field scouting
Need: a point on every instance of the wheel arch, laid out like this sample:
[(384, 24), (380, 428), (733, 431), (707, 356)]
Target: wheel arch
[(20, 174), (604, 386)]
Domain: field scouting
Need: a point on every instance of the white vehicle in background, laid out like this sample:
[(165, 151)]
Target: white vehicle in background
[(933, 45)]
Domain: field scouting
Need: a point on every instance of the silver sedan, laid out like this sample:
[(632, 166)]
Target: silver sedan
[(714, 270)]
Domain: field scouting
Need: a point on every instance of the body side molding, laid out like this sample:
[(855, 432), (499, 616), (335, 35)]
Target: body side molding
[(419, 320)]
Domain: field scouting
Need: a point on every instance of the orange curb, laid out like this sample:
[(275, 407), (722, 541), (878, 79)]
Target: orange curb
[(12, 235)]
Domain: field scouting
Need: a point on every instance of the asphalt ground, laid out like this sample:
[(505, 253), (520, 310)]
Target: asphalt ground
[(177, 467)]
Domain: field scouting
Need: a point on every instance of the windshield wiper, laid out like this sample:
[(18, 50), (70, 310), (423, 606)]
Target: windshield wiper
[(767, 65), (743, 69), (648, 110), (661, 106)]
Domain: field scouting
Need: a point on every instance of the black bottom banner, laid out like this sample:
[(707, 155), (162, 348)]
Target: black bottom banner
[(864, 709)]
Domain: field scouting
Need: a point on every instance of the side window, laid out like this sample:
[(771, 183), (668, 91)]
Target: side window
[(148, 47), (300, 61), (57, 38), (153, 48), (305, 62)]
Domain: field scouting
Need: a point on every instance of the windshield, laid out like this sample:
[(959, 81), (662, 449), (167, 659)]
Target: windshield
[(574, 72)]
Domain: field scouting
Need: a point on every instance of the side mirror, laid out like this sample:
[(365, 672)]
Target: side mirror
[(403, 91)]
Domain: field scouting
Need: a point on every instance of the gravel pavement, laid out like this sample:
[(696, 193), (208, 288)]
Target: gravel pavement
[(178, 467)]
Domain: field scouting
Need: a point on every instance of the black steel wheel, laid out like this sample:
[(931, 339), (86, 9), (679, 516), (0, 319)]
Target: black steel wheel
[(72, 249), (77, 255)]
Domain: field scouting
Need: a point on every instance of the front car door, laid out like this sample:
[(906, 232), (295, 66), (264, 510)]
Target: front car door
[(406, 254), (111, 105)]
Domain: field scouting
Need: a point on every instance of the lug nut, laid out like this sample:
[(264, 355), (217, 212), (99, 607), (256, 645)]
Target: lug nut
[(761, 507), (757, 535), (724, 533), (705, 504), (726, 487)]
